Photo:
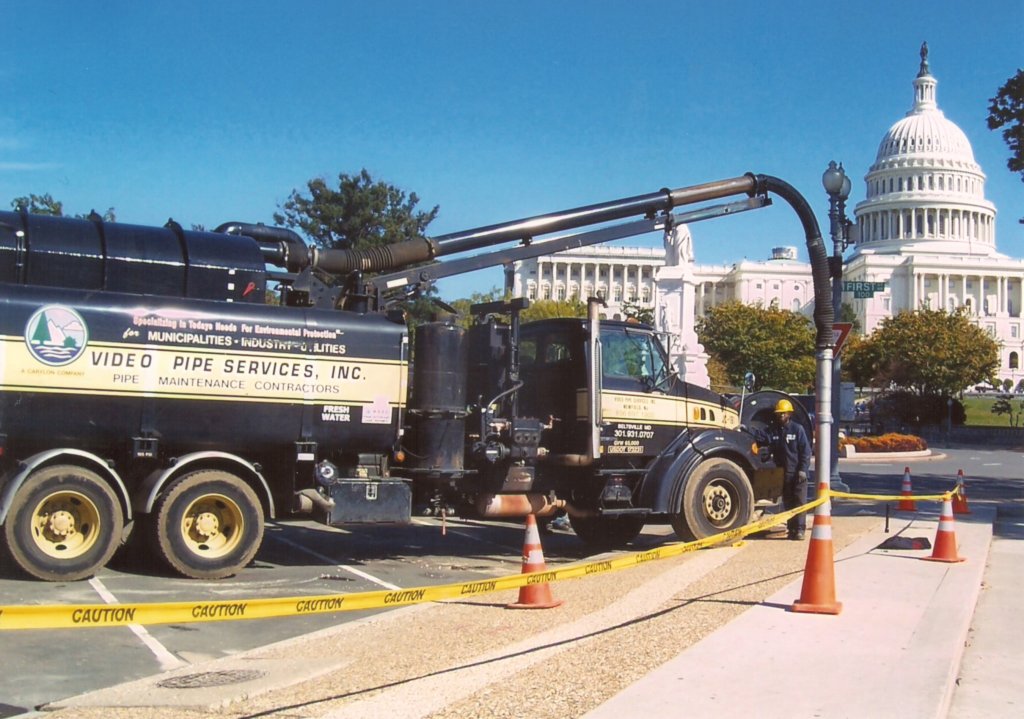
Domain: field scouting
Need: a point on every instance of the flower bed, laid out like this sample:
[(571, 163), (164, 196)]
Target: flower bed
[(891, 442)]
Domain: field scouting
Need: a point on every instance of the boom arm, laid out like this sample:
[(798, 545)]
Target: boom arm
[(398, 261), (528, 249)]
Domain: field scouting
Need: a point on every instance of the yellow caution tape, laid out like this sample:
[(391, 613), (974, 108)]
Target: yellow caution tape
[(68, 616), (896, 498)]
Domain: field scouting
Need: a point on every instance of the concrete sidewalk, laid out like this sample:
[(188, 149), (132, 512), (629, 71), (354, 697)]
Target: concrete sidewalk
[(893, 651)]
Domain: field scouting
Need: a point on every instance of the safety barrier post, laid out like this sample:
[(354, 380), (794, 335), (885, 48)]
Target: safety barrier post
[(818, 594), (945, 537), (960, 495), (534, 595), (907, 503)]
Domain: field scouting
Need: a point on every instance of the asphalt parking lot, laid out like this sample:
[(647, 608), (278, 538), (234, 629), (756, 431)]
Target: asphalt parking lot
[(296, 559)]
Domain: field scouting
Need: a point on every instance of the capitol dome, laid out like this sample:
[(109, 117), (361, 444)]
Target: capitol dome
[(925, 192), (925, 132)]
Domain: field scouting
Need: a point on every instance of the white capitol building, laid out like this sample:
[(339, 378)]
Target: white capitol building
[(924, 235)]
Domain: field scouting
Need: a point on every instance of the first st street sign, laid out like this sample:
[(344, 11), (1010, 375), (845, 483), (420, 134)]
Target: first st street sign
[(863, 290)]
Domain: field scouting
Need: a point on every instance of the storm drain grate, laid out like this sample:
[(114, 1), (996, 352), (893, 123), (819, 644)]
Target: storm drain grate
[(202, 680)]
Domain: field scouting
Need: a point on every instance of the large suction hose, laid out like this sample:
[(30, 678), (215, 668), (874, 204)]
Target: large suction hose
[(824, 316)]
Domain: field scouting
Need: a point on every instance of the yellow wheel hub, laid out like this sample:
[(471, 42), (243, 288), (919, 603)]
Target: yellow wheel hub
[(65, 525), (212, 525)]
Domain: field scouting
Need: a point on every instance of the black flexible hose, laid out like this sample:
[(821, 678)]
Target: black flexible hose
[(824, 315)]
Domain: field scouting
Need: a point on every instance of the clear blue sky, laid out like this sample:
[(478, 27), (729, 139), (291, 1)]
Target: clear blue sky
[(214, 111)]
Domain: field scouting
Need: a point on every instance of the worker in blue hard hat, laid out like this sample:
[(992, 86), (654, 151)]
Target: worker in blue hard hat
[(791, 450)]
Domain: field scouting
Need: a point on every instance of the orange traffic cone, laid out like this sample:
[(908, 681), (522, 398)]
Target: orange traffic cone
[(535, 595), (945, 538), (907, 503), (818, 594), (960, 495)]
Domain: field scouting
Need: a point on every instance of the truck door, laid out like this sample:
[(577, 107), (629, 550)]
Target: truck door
[(642, 404)]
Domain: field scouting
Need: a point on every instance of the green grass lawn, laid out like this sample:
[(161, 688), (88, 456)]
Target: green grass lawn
[(979, 412)]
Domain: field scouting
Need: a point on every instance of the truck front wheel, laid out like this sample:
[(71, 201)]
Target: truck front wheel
[(208, 524), (64, 524), (717, 497)]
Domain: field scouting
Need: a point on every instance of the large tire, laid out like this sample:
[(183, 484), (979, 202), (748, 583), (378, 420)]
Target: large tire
[(607, 532), (717, 497), (208, 525), (64, 524)]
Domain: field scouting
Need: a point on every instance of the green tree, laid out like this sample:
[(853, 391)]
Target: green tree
[(39, 205), (1006, 110), (847, 313), (360, 213), (718, 377), (633, 310), (462, 305), (47, 205), (776, 345), (932, 352), (1004, 405), (861, 362), (547, 309)]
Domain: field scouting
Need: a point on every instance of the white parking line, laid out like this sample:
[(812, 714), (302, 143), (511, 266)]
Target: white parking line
[(164, 657), (344, 567)]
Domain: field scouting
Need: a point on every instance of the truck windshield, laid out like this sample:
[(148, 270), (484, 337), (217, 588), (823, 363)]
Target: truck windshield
[(633, 354)]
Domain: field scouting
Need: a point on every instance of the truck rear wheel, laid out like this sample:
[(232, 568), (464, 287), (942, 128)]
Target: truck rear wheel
[(607, 532), (64, 524), (717, 497), (208, 524)]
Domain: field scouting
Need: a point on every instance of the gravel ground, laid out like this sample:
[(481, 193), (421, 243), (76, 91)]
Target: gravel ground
[(475, 658)]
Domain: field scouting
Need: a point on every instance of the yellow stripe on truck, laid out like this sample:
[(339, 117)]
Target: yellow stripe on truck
[(116, 369)]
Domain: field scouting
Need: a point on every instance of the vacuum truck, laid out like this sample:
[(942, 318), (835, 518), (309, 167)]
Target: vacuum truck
[(175, 388)]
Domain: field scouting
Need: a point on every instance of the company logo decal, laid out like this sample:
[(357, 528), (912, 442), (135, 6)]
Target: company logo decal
[(56, 335)]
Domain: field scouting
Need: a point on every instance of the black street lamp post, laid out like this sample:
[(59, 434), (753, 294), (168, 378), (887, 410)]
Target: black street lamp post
[(837, 186)]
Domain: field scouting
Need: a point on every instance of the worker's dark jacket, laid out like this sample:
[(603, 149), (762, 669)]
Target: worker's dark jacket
[(789, 445)]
